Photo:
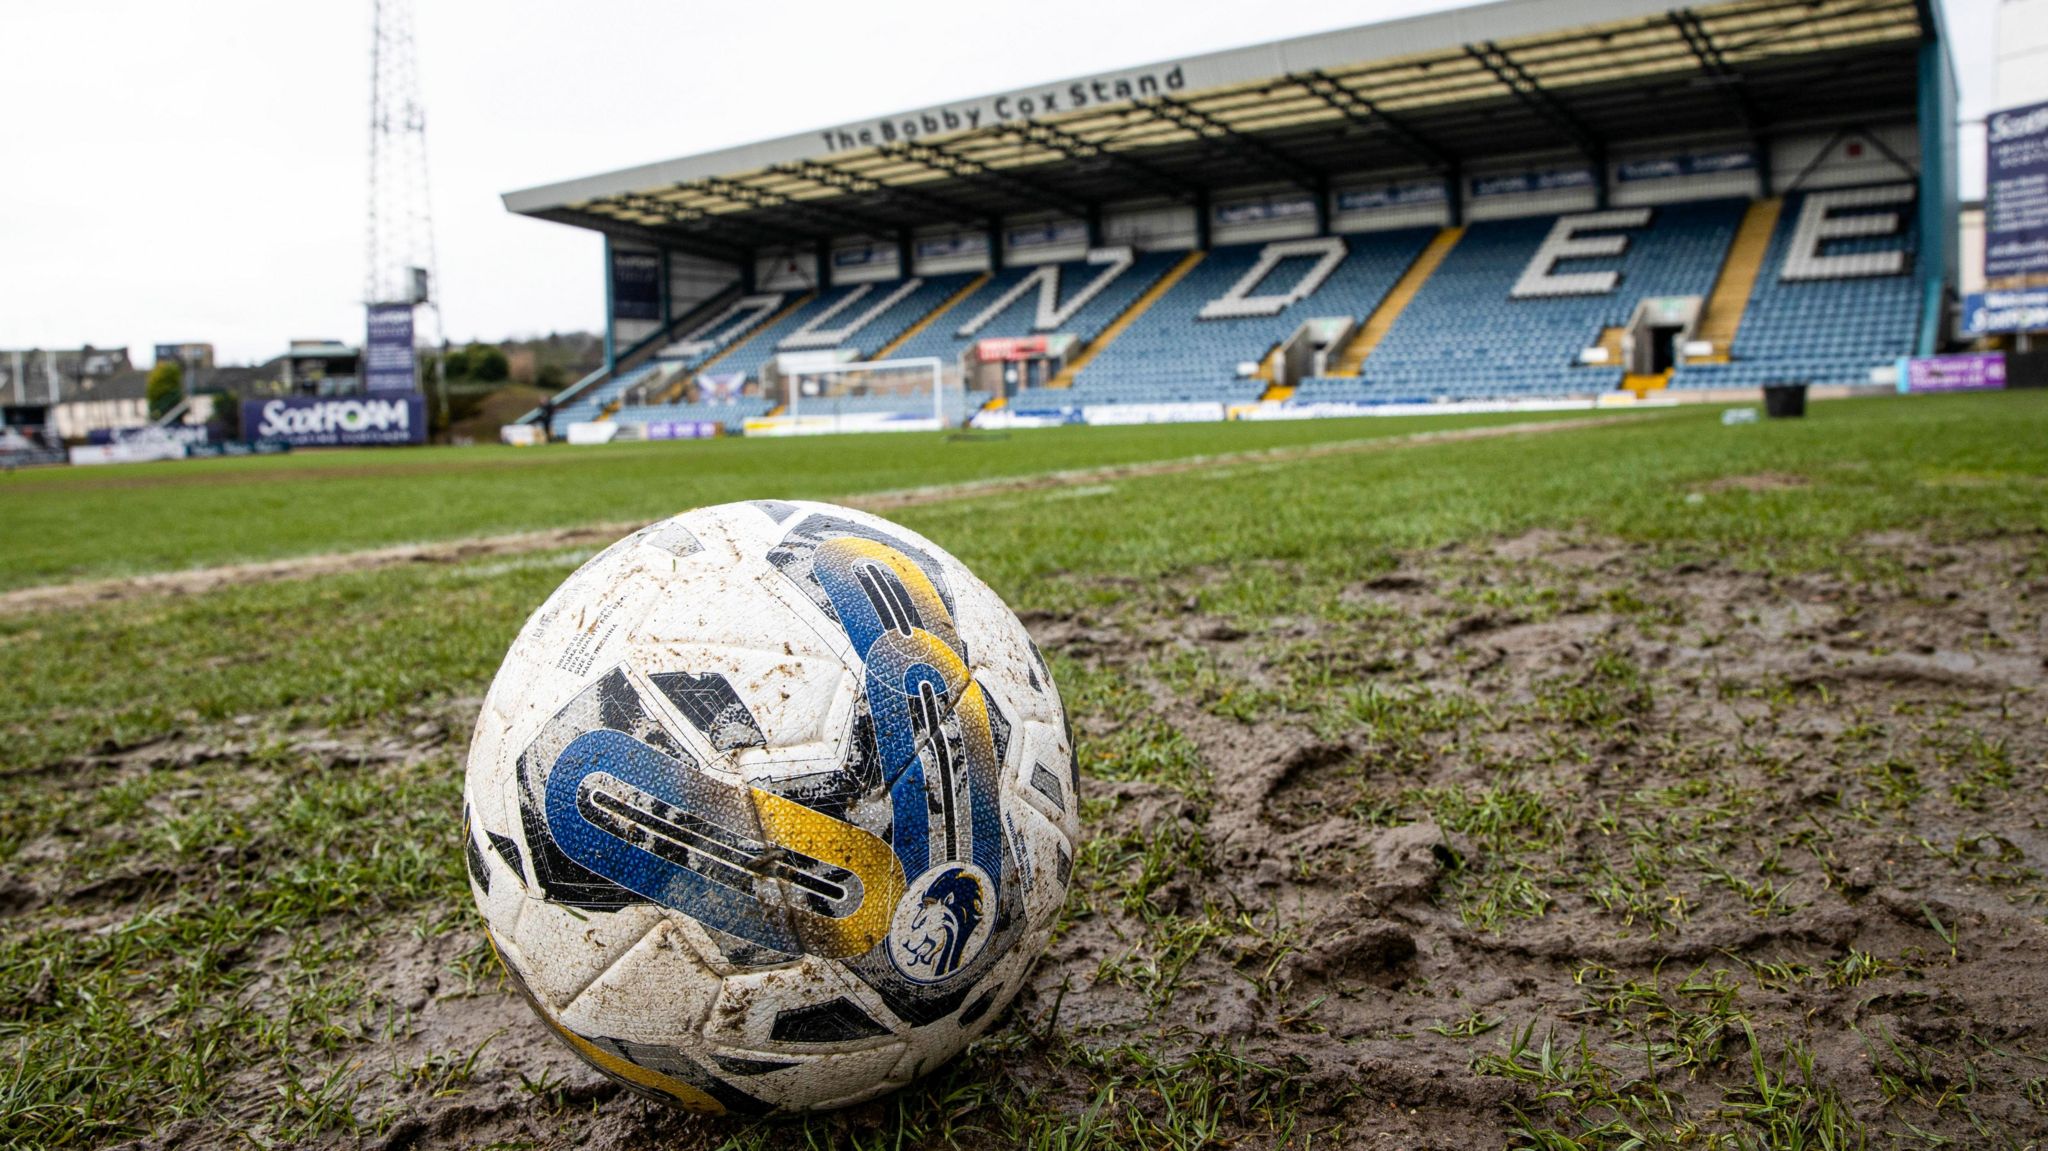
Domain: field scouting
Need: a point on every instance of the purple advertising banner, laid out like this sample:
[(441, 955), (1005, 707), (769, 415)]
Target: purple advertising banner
[(2016, 192), (387, 352), (1971, 372), (322, 422), (682, 429)]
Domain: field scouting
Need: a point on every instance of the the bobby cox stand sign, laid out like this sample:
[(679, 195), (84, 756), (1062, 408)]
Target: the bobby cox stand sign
[(322, 422)]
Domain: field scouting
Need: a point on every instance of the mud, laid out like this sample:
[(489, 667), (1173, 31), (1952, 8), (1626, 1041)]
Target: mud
[(1673, 819)]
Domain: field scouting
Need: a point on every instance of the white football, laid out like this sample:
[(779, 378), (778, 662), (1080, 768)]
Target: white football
[(771, 807)]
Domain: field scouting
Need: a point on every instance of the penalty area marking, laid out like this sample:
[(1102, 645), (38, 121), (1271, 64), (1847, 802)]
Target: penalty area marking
[(197, 581)]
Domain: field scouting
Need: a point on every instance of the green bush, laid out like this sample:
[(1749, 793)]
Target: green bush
[(166, 386)]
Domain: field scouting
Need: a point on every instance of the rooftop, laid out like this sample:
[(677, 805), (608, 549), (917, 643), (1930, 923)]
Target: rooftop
[(1432, 93)]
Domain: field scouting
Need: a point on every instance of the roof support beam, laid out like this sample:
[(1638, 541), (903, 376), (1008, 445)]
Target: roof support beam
[(830, 219), (732, 233), (1027, 191), (1726, 80), (1517, 80), (1156, 180), (1362, 111), (1216, 133), (658, 237), (827, 176)]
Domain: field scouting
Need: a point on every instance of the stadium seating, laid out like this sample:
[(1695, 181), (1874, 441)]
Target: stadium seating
[(1465, 336), (1486, 325), (942, 338), (593, 401), (733, 415), (1173, 355), (957, 406), (1822, 331)]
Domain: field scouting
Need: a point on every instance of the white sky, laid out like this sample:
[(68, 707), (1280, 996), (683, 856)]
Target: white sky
[(196, 169)]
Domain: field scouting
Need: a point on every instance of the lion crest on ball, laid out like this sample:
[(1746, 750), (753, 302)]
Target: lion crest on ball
[(943, 931)]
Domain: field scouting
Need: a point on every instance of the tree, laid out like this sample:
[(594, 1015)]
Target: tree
[(227, 416), (488, 365), (458, 364), (165, 388), (551, 378)]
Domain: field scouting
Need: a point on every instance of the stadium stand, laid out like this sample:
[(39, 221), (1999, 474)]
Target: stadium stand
[(1582, 200), (1830, 324), (1174, 353), (869, 316), (733, 416), (1020, 316), (593, 403), (1468, 334)]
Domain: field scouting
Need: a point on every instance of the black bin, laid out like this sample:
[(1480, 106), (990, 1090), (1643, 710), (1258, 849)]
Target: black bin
[(1785, 399)]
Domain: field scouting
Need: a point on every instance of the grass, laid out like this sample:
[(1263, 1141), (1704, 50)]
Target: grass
[(193, 513), (224, 908)]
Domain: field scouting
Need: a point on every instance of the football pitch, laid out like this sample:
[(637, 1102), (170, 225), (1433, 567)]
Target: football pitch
[(1638, 784)]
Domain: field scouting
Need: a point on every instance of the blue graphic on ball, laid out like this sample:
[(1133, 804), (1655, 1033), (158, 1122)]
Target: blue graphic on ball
[(941, 925)]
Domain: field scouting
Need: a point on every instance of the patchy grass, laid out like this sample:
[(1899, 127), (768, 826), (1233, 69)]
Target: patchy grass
[(1719, 813)]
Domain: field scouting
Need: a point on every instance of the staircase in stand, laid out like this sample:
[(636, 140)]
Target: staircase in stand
[(1722, 317), (1139, 306), (1377, 325)]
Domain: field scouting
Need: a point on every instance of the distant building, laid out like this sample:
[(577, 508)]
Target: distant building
[(321, 368), (30, 376)]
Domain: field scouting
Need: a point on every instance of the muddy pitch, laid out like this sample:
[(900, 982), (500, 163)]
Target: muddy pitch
[(1547, 836)]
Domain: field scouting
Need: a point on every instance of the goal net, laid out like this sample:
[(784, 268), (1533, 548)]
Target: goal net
[(883, 395)]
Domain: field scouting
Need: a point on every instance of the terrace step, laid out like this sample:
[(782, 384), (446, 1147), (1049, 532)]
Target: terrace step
[(1139, 306), (1377, 325), (1610, 339), (1722, 316)]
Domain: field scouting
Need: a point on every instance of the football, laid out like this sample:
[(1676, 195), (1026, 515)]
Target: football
[(771, 806)]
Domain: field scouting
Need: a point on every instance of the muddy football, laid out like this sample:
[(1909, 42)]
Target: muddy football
[(771, 806)]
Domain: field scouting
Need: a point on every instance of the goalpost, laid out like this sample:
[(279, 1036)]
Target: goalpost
[(879, 395)]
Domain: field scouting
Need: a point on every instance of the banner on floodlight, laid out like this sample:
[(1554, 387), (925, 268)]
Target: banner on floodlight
[(636, 285), (2016, 192), (388, 364)]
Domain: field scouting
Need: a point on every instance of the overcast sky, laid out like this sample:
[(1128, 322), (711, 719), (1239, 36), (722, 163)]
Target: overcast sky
[(196, 169)]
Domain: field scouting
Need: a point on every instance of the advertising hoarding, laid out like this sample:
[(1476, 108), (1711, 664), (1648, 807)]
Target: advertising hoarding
[(1969, 372), (323, 422)]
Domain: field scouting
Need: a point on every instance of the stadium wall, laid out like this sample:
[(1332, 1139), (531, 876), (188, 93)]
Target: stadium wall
[(864, 260)]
